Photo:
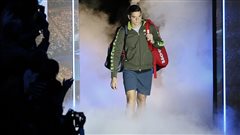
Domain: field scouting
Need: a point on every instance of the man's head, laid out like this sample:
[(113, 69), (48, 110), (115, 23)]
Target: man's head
[(135, 15)]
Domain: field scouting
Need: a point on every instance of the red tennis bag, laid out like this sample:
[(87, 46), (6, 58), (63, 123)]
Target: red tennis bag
[(160, 57)]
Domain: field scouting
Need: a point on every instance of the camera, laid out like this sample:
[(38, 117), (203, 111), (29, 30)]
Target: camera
[(41, 19), (41, 8), (78, 119), (74, 122)]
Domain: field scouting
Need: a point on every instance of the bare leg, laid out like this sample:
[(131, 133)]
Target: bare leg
[(141, 102), (131, 102)]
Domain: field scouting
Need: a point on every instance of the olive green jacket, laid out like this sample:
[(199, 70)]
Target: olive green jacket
[(138, 55)]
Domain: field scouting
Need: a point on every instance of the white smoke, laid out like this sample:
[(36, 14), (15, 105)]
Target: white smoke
[(181, 98), (134, 2)]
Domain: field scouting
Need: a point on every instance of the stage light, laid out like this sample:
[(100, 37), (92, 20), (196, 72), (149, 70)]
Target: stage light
[(224, 71), (73, 52)]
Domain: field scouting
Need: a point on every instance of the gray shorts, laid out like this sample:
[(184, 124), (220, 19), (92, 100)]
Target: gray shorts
[(139, 81)]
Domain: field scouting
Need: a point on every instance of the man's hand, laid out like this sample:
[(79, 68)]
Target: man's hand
[(67, 83), (114, 83), (150, 38)]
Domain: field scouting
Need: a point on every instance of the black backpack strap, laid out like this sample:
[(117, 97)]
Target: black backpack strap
[(126, 30)]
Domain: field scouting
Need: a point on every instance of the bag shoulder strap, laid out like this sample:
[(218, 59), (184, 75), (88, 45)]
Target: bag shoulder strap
[(125, 36)]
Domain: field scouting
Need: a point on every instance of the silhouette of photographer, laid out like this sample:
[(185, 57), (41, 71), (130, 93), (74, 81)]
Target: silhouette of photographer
[(31, 96)]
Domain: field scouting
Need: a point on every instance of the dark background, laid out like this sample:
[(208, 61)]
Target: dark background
[(114, 8)]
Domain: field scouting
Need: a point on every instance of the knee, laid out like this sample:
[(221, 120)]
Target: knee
[(131, 96), (131, 100), (141, 99)]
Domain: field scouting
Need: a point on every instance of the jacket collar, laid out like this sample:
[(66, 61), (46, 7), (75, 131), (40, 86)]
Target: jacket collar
[(129, 25)]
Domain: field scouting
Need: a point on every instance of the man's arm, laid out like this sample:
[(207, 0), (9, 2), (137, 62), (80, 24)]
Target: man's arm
[(117, 51)]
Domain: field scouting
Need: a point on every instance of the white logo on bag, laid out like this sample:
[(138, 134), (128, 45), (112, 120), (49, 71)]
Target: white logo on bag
[(161, 56)]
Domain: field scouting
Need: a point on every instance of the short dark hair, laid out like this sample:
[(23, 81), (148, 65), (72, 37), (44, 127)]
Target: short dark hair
[(134, 8)]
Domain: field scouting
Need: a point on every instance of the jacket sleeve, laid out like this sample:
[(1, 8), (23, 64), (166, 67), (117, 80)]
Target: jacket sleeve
[(158, 42), (117, 51)]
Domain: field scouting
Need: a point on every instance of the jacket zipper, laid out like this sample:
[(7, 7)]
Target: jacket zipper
[(140, 52)]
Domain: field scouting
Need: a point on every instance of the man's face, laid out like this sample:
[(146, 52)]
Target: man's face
[(135, 18)]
